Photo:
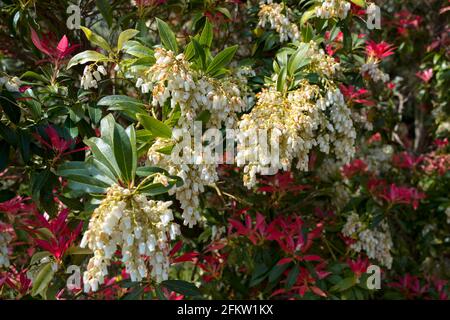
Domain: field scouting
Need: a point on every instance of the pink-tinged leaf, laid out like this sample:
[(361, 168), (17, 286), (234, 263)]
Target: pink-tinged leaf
[(278, 292), (253, 239), (312, 258), (60, 221), (248, 222), (266, 189), (187, 257), (238, 226), (176, 248), (215, 247), (45, 245), (37, 43), (63, 45), (318, 291), (260, 222), (284, 261)]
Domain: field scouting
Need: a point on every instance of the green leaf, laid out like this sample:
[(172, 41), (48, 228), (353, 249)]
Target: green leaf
[(138, 50), (86, 56), (96, 39), (107, 125), (292, 277), (146, 171), (125, 36), (277, 271), (307, 33), (182, 287), (119, 99), (158, 128), (222, 59), (225, 12), (9, 106), (206, 36), (105, 9), (8, 134), (24, 145), (130, 111), (123, 153), (131, 133), (344, 284), (167, 36), (79, 251), (204, 116), (281, 80), (38, 256), (85, 174), (134, 294), (347, 39), (154, 189), (34, 75), (4, 154), (104, 153), (311, 12), (360, 3), (200, 53), (299, 59), (43, 278)]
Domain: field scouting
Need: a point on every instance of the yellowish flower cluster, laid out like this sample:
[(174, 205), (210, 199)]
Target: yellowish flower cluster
[(300, 120), (141, 229), (277, 16), (195, 177), (171, 77), (321, 63), (333, 9), (372, 68), (377, 242)]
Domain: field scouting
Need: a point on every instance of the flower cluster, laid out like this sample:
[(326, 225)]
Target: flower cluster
[(195, 178), (91, 77), (376, 242), (5, 239), (333, 8), (142, 230), (172, 78), (376, 52), (372, 69), (299, 120), (277, 15), (12, 84)]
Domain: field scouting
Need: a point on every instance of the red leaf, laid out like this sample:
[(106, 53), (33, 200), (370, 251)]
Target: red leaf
[(63, 45), (176, 248), (318, 291), (37, 43), (284, 261)]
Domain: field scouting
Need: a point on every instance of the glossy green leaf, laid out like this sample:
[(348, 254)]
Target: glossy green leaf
[(167, 36), (206, 36), (86, 56), (119, 99), (222, 59), (43, 278), (125, 36), (106, 11), (360, 3), (95, 39), (158, 128), (182, 287), (104, 153)]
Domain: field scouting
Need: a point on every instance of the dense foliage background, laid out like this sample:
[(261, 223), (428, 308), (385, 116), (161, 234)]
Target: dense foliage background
[(88, 108)]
